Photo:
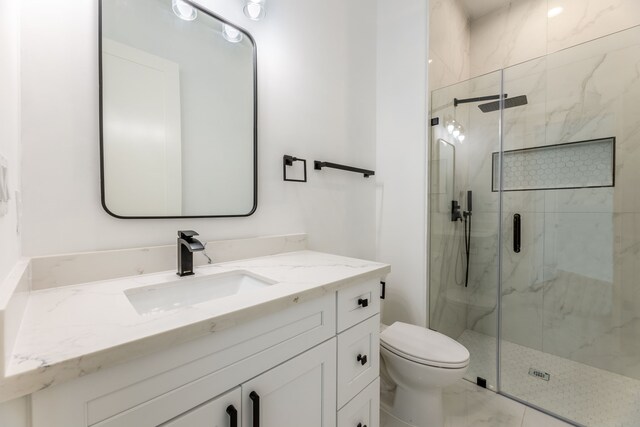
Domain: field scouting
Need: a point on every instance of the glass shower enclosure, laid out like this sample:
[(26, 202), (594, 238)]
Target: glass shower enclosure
[(535, 229)]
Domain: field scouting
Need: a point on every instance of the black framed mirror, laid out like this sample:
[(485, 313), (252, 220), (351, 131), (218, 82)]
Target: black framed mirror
[(178, 111)]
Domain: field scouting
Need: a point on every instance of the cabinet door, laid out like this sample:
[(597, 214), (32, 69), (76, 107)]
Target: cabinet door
[(223, 411), (300, 392)]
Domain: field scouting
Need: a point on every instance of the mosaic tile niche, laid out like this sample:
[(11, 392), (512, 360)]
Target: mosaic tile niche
[(583, 164)]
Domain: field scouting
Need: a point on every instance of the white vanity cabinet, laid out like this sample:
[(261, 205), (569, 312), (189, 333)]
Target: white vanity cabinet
[(286, 367)]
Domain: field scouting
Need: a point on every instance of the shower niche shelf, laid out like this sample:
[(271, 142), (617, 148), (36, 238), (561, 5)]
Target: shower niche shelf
[(581, 164)]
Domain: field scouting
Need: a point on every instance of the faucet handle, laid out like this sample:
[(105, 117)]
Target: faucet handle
[(185, 234)]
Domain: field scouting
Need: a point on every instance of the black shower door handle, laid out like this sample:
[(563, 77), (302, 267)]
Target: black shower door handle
[(517, 233)]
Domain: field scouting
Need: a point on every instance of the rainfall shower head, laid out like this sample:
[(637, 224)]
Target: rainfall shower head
[(508, 103)]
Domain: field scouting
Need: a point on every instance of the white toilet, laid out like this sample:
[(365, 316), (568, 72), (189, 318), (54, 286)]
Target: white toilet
[(420, 362)]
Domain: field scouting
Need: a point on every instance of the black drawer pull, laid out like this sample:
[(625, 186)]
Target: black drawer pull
[(360, 425), (233, 416), (362, 359), (256, 408), (364, 302)]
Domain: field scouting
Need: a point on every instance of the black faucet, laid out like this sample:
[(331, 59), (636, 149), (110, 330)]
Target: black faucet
[(187, 245)]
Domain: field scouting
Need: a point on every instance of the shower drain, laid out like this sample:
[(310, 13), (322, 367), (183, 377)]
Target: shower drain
[(539, 374)]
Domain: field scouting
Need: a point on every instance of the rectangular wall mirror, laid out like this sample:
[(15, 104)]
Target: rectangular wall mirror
[(178, 112)]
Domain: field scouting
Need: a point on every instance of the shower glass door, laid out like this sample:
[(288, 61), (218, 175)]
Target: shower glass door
[(463, 273), (569, 293), (539, 276)]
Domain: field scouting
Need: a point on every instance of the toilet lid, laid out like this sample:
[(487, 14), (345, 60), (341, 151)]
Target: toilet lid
[(424, 346)]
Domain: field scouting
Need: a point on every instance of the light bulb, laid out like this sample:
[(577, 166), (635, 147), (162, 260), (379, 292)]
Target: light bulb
[(255, 9), (231, 33), (456, 132), (451, 126), (461, 137), (183, 10)]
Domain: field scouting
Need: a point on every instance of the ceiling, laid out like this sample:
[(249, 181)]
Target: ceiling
[(477, 8)]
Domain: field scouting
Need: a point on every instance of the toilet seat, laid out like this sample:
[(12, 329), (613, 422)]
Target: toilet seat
[(424, 346)]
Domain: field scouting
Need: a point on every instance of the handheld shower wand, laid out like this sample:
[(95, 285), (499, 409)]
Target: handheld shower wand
[(467, 235), (465, 218)]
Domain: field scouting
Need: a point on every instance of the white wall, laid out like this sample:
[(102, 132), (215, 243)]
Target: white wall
[(316, 63), (401, 156), (12, 413), (10, 127)]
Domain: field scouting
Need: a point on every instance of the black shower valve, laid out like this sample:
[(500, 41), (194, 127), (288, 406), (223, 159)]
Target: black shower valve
[(455, 211)]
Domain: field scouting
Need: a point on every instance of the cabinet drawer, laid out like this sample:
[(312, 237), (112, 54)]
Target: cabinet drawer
[(364, 409), (358, 358), (357, 303), (223, 411), (211, 413)]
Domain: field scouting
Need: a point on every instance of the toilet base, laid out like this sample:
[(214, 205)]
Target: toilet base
[(419, 409)]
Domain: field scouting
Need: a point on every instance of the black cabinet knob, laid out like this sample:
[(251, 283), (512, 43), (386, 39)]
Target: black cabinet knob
[(363, 302), (360, 425), (362, 359)]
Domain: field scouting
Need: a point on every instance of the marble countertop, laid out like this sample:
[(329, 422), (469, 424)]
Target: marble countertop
[(71, 331)]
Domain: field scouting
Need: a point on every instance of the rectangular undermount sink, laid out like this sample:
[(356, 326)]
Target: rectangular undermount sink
[(194, 290)]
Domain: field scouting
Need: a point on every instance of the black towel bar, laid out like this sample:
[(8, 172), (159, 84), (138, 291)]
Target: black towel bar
[(318, 165)]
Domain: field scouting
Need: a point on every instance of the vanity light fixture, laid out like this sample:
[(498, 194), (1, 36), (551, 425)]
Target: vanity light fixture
[(255, 9), (555, 11), (183, 10), (231, 33)]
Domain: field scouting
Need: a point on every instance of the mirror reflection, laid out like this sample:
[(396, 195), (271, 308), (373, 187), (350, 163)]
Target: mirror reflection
[(178, 112)]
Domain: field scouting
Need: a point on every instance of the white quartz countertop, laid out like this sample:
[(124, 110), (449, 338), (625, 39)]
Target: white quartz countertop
[(71, 331)]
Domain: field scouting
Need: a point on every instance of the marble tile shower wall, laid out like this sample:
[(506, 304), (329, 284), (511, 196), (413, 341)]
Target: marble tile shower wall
[(523, 30), (449, 40)]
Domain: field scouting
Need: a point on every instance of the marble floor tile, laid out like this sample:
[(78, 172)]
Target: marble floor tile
[(467, 405), (387, 420), (533, 418)]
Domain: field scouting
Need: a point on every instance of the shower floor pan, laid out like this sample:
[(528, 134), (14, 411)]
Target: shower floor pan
[(584, 394)]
